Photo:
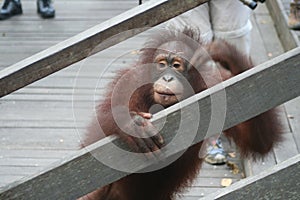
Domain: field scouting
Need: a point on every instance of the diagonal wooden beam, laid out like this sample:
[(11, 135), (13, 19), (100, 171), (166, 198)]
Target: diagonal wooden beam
[(279, 182), (247, 95), (80, 46)]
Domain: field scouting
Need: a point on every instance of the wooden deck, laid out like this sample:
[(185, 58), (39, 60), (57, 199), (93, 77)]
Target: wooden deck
[(286, 11), (42, 123)]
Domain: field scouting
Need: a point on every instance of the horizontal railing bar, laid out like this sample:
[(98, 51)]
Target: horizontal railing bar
[(278, 182), (255, 91), (82, 45)]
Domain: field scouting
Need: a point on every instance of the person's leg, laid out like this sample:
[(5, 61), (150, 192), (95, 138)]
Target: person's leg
[(231, 21), (10, 8), (294, 16), (216, 154), (45, 8)]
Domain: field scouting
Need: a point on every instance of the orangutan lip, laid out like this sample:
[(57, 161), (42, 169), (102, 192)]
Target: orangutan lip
[(166, 93)]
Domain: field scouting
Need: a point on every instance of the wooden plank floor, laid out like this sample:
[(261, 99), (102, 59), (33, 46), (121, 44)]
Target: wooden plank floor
[(290, 110), (44, 122), (37, 126)]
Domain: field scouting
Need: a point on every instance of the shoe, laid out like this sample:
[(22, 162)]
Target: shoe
[(216, 154), (294, 17), (45, 8), (10, 8)]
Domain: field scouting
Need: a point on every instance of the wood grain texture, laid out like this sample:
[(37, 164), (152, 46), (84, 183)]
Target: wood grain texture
[(288, 39), (247, 95), (80, 46), (279, 182)]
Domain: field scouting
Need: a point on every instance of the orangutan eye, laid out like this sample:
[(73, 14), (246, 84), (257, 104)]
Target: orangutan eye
[(176, 65), (161, 65)]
